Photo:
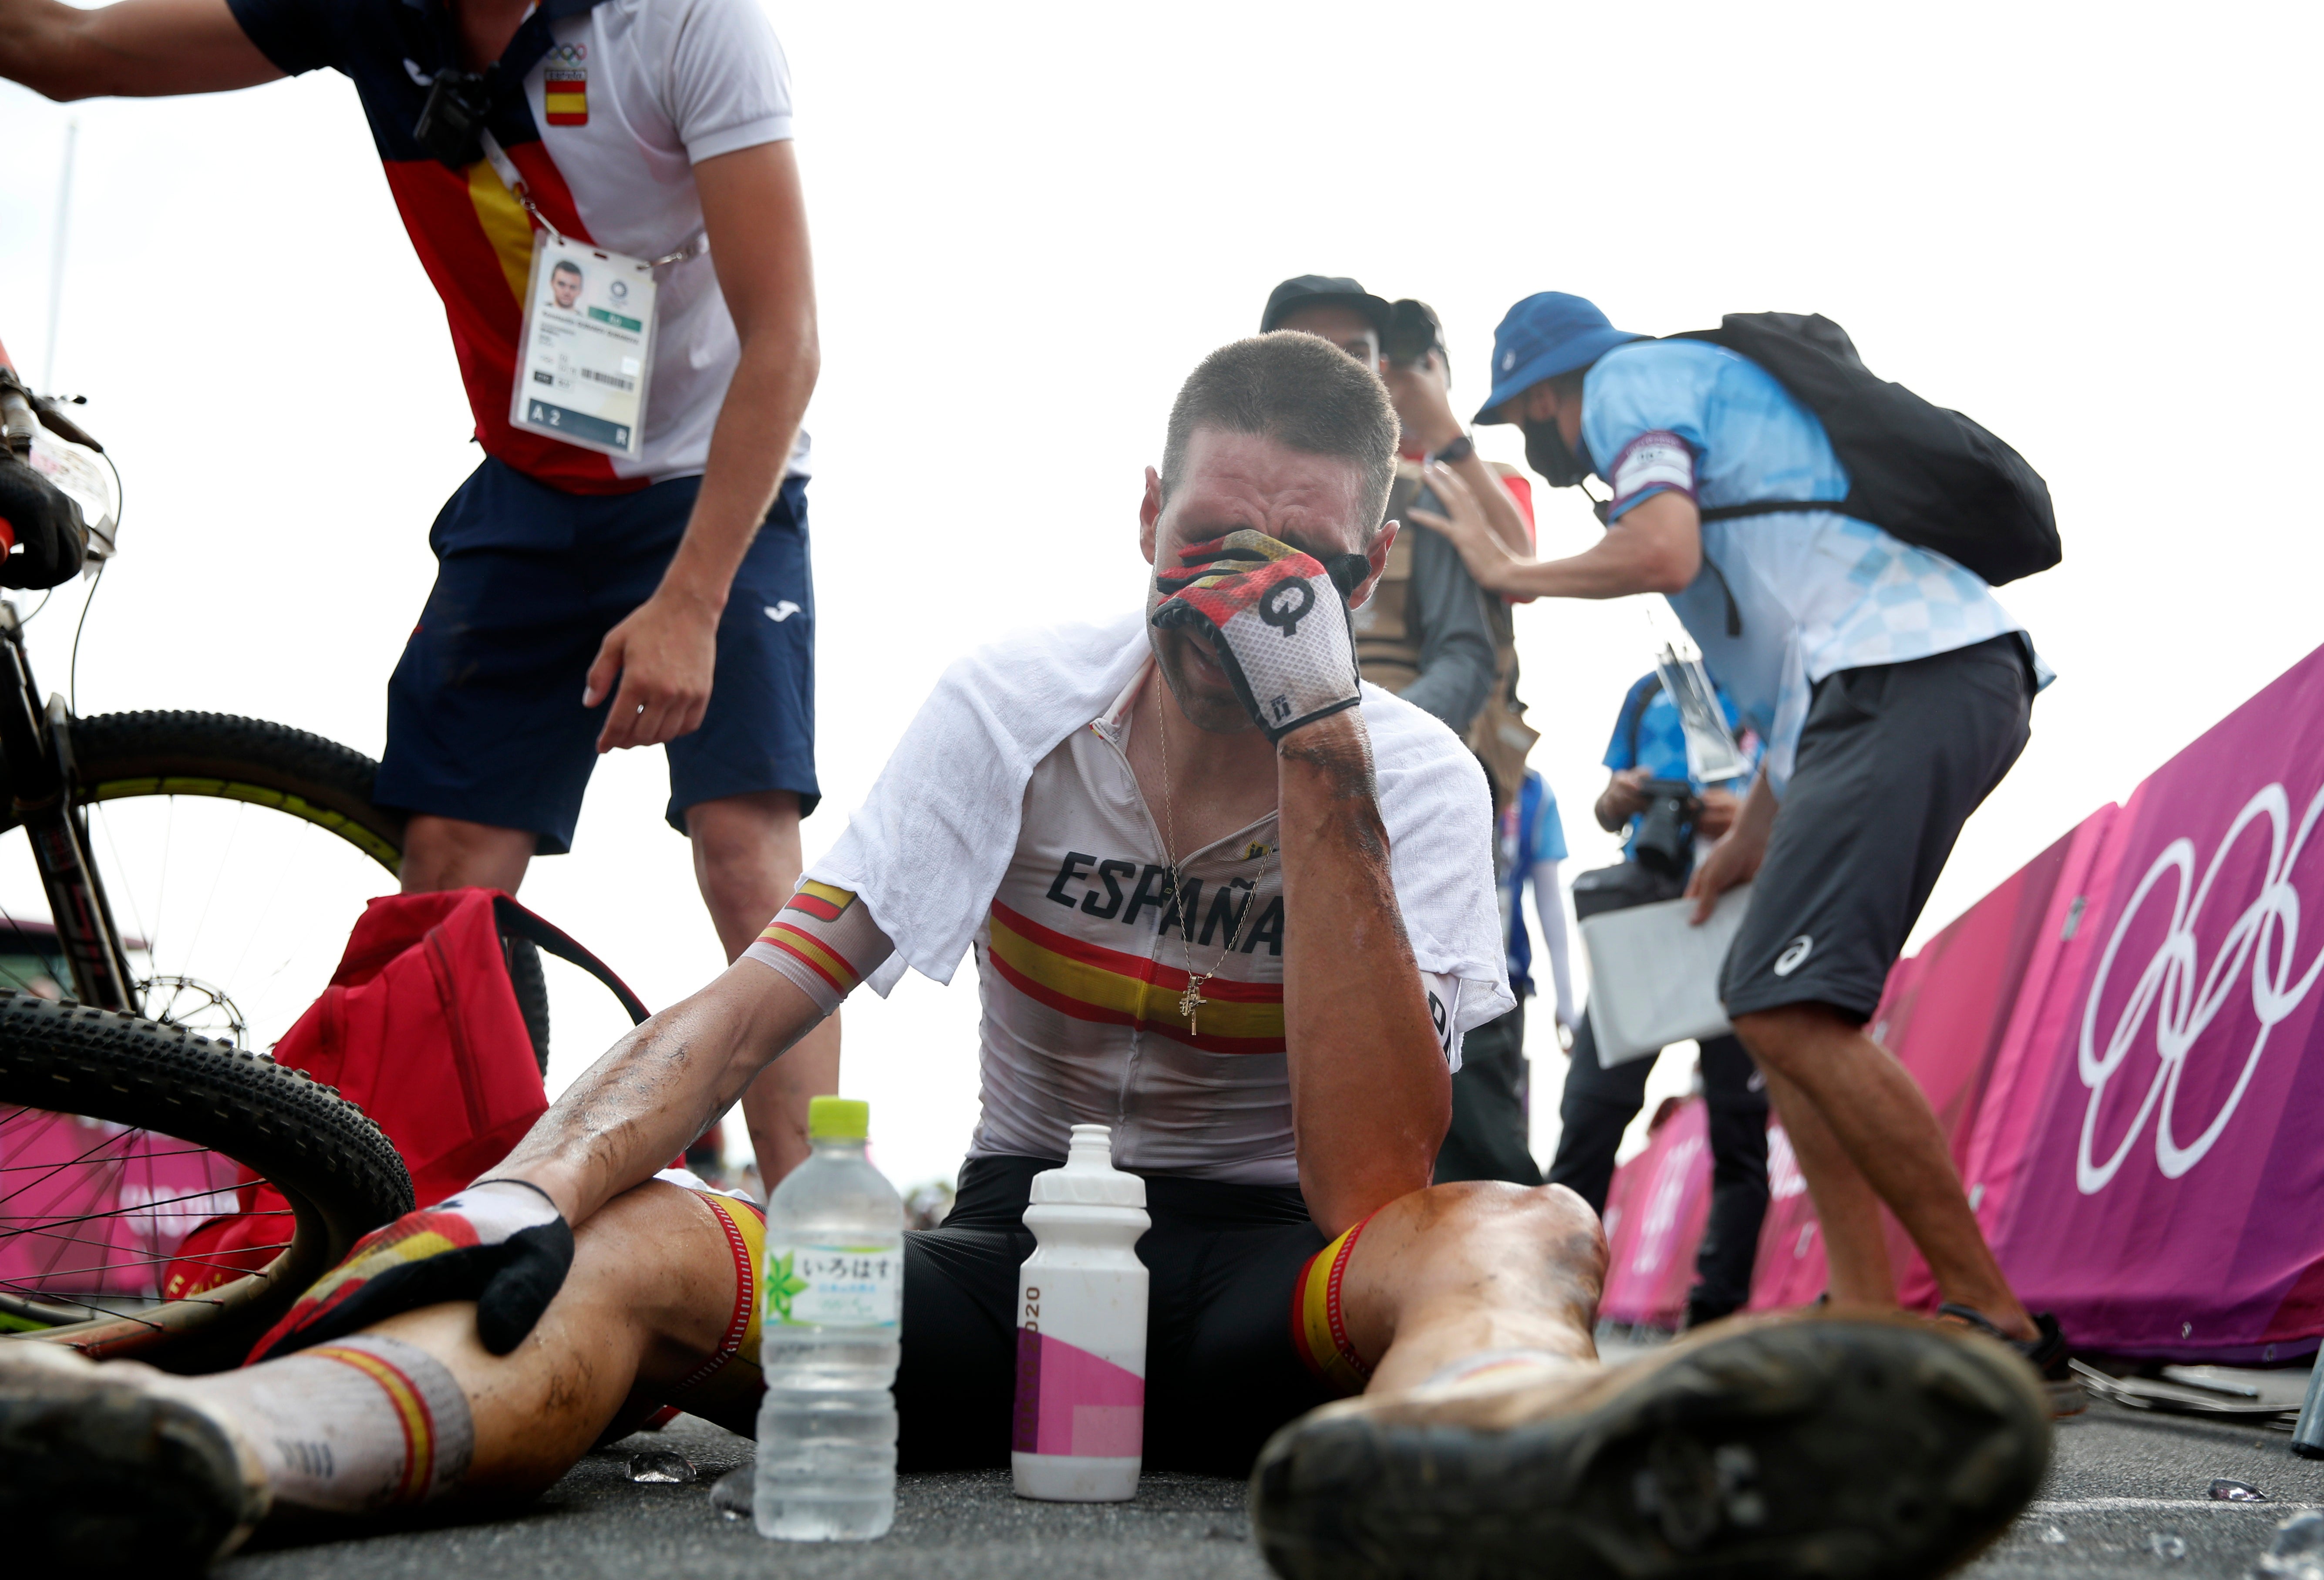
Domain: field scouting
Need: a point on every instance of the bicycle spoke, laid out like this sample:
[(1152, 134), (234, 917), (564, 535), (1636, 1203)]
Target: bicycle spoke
[(209, 900), (147, 1264), (140, 1207), (54, 1168), (28, 1168), (126, 891), (250, 941)]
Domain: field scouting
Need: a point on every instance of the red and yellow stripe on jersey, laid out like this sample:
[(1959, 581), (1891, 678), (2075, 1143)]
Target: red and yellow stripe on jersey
[(474, 239), (1091, 983), (1319, 1330), (796, 933)]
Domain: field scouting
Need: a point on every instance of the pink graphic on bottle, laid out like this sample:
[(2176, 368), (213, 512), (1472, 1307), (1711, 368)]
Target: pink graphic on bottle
[(1070, 1402)]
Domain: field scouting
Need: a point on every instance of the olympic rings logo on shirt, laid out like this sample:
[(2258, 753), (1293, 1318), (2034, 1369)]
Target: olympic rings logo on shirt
[(2267, 933), (568, 54)]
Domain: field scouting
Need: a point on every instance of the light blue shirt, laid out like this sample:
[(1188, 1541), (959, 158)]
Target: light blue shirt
[(1817, 591)]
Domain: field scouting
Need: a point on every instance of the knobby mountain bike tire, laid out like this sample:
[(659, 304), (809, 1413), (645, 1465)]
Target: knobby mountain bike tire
[(338, 1172), (117, 755), (122, 756)]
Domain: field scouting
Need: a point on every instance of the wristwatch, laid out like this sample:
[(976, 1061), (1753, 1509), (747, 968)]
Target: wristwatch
[(1459, 451)]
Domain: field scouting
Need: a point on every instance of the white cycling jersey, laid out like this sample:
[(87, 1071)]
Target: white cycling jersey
[(1083, 953)]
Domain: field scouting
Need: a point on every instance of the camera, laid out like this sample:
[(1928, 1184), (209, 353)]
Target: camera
[(1664, 839)]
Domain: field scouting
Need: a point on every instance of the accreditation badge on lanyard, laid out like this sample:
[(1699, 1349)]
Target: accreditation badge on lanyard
[(586, 349)]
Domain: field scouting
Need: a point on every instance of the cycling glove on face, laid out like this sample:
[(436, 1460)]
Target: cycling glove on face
[(40, 525), (501, 1244), (1276, 619)]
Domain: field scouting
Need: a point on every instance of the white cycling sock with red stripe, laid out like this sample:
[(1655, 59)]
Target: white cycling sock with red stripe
[(351, 1428)]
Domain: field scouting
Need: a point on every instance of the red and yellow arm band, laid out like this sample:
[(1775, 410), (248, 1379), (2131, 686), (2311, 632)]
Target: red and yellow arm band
[(1319, 1331), (825, 940)]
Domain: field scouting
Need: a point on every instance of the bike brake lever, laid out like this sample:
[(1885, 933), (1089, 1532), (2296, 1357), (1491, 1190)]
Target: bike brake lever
[(62, 426)]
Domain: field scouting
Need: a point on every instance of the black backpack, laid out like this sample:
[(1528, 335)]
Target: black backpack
[(1920, 473)]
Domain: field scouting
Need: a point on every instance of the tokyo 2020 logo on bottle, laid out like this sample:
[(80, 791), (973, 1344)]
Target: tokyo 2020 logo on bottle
[(2181, 994)]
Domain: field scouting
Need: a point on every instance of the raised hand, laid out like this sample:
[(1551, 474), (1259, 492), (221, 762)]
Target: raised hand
[(1463, 522), (1278, 620)]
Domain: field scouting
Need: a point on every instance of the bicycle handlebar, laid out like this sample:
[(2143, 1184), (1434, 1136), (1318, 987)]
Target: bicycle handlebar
[(20, 410), (16, 418)]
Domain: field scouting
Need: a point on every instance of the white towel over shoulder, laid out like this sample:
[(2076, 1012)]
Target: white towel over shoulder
[(927, 849)]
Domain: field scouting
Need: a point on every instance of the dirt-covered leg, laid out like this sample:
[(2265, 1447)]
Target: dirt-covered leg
[(1868, 1448), (1457, 1274), (1490, 1444), (154, 1469)]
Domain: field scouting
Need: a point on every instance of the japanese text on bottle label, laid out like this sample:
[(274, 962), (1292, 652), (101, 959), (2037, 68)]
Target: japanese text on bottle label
[(835, 1286)]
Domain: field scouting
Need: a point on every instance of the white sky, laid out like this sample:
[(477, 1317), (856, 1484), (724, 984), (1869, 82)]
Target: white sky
[(2085, 229)]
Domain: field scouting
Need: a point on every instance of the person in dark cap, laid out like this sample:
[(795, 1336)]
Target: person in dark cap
[(1894, 692), (1425, 635), (1428, 634)]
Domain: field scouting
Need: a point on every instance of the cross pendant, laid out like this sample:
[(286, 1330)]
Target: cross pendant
[(1191, 1002)]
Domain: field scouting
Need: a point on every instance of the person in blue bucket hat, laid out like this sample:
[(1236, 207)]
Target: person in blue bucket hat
[(1892, 691)]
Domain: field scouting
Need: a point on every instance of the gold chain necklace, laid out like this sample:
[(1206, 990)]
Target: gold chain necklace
[(1191, 1001)]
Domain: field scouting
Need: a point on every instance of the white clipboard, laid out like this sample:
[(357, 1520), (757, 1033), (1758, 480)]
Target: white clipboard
[(1654, 977)]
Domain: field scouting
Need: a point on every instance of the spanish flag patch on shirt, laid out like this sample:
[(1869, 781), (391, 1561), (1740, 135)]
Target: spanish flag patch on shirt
[(565, 95)]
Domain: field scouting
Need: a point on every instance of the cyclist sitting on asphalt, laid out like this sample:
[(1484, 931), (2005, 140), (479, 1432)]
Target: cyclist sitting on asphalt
[(634, 529), (1253, 952)]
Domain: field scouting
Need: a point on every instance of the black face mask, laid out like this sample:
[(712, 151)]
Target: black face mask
[(1547, 453)]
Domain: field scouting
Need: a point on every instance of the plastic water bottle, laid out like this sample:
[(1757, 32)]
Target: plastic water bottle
[(1080, 1428), (831, 1308)]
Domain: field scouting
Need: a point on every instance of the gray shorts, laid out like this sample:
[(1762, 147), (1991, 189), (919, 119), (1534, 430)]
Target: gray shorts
[(1892, 761)]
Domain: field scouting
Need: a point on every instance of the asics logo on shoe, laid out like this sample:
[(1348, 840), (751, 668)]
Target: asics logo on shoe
[(1795, 952), (1285, 607), (778, 612), (2257, 955)]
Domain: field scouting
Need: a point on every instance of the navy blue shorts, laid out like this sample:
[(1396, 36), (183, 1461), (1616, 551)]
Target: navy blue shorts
[(484, 721)]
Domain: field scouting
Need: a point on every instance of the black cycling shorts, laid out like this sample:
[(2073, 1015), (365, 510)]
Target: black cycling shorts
[(1223, 1368)]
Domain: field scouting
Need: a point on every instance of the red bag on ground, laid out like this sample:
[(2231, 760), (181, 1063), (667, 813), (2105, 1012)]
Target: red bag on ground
[(420, 1028)]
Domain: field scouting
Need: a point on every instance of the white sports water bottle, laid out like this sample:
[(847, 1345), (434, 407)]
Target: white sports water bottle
[(830, 1312), (1080, 1429)]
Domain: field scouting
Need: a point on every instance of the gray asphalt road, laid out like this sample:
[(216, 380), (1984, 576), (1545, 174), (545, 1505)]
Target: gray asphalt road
[(2130, 1496)]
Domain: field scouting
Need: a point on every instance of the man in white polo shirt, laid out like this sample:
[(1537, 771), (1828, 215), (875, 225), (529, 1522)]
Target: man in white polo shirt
[(639, 525)]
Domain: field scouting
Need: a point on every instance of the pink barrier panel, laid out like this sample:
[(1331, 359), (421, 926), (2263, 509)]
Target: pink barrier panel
[(130, 1196), (1654, 1213), (1948, 1019), (2167, 1194), (2124, 1042), (1790, 1268)]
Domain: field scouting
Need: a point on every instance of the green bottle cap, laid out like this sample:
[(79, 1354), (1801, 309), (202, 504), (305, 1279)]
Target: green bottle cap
[(837, 1119)]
